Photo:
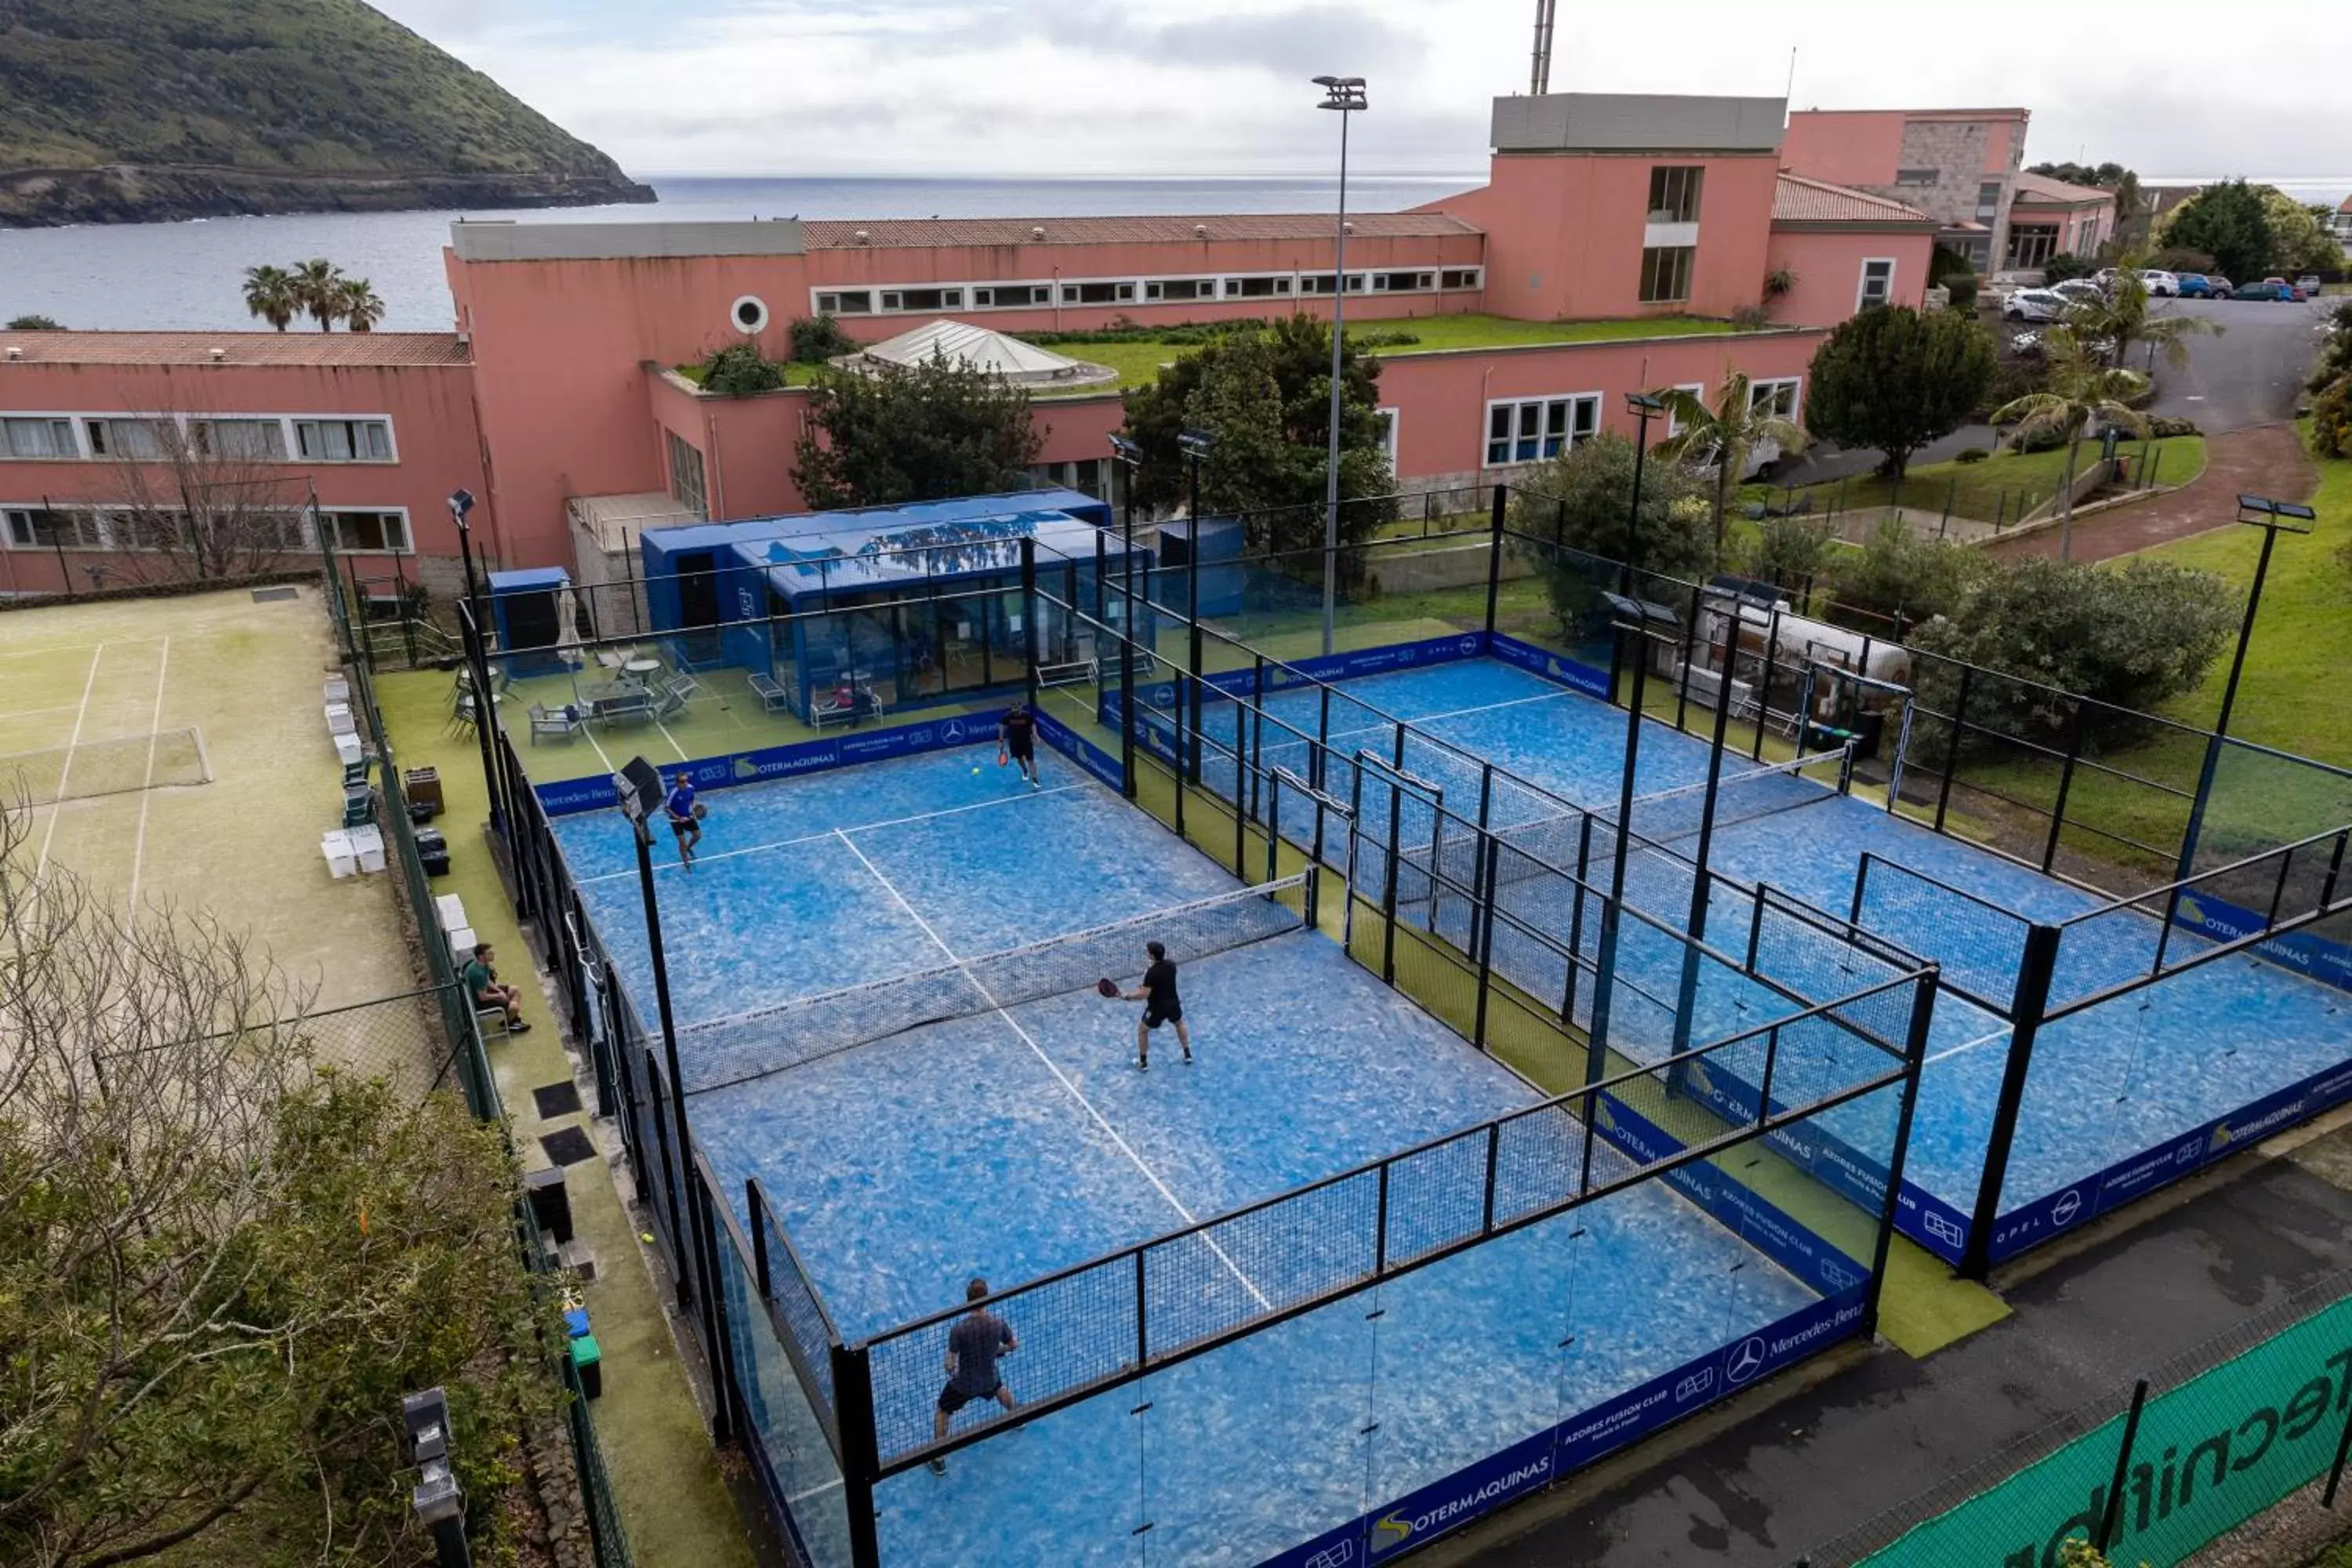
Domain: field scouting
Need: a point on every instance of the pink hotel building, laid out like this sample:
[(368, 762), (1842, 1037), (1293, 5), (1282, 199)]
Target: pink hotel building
[(555, 400)]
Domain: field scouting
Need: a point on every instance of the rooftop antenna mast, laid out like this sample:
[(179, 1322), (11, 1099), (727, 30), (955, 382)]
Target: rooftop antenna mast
[(1790, 92), (1539, 80)]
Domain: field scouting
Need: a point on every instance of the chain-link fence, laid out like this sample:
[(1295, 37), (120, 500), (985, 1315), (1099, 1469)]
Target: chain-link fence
[(2153, 1471)]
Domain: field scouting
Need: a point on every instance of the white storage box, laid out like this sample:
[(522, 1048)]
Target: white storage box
[(338, 720), (450, 910), (341, 859), (461, 945), (347, 747), (367, 842)]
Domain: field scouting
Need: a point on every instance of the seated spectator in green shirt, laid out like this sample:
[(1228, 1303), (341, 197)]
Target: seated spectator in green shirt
[(482, 985)]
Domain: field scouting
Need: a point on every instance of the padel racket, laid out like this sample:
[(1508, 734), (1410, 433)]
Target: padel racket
[(1108, 987), (1000, 759)]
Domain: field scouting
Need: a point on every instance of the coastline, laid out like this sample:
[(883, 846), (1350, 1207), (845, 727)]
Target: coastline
[(120, 194)]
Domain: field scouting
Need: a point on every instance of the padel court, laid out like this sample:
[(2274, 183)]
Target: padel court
[(870, 1028), (2107, 1083)]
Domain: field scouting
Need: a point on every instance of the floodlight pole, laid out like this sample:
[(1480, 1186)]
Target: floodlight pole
[(1643, 406), (1128, 453), (641, 829), (2273, 517), (1344, 94), (461, 502)]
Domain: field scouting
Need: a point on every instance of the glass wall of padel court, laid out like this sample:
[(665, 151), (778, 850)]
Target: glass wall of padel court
[(1501, 918), (1503, 1211)]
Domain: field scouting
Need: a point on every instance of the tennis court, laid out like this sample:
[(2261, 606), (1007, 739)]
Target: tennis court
[(2107, 1083), (1012, 1137)]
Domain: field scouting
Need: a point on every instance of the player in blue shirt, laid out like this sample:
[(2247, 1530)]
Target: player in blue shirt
[(685, 819)]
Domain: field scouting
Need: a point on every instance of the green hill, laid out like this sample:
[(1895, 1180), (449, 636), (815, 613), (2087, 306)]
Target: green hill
[(122, 111)]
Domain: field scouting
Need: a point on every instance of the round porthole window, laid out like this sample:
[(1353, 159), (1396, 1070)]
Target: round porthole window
[(749, 315)]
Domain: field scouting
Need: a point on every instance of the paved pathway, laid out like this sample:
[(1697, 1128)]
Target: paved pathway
[(2267, 460)]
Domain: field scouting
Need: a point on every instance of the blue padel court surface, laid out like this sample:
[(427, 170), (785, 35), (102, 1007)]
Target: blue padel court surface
[(2126, 1076), (1014, 1142)]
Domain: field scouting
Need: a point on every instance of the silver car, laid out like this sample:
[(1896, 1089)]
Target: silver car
[(2035, 305)]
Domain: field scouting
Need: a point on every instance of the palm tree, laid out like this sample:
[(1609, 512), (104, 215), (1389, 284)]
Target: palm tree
[(2123, 318), (318, 289), (2082, 390), (270, 294), (1726, 436), (359, 305)]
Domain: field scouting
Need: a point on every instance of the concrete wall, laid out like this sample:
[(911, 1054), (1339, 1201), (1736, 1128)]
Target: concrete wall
[(1828, 266), (436, 442), (1859, 147), (1635, 122)]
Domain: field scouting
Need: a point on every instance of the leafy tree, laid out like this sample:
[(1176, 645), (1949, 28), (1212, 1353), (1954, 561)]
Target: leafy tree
[(34, 324), (2080, 390), (269, 295), (2300, 242), (1893, 380), (225, 1263), (1298, 351), (1722, 438), (1898, 572), (317, 286), (816, 339), (1788, 551), (359, 304), (2123, 317), (2132, 637), (1582, 499), (738, 370), (2229, 222), (923, 432)]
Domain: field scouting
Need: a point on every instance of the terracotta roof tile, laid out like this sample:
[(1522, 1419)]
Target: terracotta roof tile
[(291, 348), (1799, 200), (829, 233), (2041, 190)]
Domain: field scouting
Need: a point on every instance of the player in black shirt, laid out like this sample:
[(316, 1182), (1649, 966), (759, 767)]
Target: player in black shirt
[(1162, 1005), (1016, 735)]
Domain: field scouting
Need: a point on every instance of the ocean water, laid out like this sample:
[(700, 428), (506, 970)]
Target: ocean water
[(187, 275)]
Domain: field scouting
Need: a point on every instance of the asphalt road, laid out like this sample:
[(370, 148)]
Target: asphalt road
[(2251, 375)]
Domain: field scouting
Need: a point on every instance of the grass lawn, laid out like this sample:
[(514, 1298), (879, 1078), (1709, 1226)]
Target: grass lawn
[(2000, 486)]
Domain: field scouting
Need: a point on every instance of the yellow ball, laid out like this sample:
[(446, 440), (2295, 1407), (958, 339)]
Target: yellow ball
[(975, 773)]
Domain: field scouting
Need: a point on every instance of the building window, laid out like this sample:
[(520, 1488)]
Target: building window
[(1877, 283), (1777, 399), (1988, 201), (1097, 293), (1256, 288), (258, 440), (1529, 430), (2031, 246), (846, 302), (1458, 278), (1085, 476), (1916, 176), (138, 440), (1011, 296), (1673, 193), (343, 440), (1172, 289), (686, 481), (1697, 389), (1666, 273), (382, 532), (1979, 251), (1391, 419), (1403, 282), (1320, 283), (54, 528), (38, 439), (922, 299)]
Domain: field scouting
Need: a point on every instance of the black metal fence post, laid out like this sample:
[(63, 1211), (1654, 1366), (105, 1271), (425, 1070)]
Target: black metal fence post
[(1029, 617), (2111, 1516), (2335, 1470), (1952, 747), (1494, 554), (2066, 785), (2029, 1002), (1915, 1057), (853, 1408), (1485, 935)]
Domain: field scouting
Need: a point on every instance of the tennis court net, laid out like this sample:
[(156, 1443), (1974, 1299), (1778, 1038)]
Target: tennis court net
[(791, 1034), (115, 767), (1669, 815)]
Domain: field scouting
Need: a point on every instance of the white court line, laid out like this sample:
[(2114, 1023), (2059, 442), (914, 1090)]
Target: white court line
[(28, 712), (817, 1490), (1491, 707), (673, 742), (65, 770), (859, 827), (1967, 1046), (1129, 1150), (71, 648), (147, 788)]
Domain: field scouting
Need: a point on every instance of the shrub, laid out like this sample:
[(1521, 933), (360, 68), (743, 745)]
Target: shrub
[(34, 324), (1779, 282), (1971, 455), (2164, 426), (1900, 573), (2013, 379), (2331, 421), (816, 339), (1963, 286), (2132, 637), (739, 371), (2031, 438), (1788, 551), (1582, 498)]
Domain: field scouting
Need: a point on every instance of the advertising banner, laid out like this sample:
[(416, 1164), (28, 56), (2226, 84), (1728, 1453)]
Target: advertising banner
[(2209, 1455), (2312, 956), (1556, 666), (1087, 755)]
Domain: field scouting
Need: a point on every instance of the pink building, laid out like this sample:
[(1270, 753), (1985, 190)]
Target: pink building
[(558, 400), (1959, 166), (2050, 218)]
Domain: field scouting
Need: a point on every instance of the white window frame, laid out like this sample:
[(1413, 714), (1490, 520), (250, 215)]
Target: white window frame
[(74, 438), (892, 301), (14, 514), (672, 443), (1124, 291), (1690, 277), (1392, 423), (79, 419), (1575, 402), (971, 292), (294, 438), (407, 531), (1423, 280), (1207, 287), (1861, 284), (1674, 421), (818, 299), (1475, 278), (1774, 386), (1318, 283), (1285, 285)]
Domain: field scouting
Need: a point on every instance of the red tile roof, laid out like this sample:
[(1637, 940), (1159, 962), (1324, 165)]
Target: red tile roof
[(1799, 200), (2345, 205), (289, 348), (2040, 190), (829, 233)]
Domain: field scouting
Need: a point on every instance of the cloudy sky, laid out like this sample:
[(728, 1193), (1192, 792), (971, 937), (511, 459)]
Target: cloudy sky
[(1118, 87)]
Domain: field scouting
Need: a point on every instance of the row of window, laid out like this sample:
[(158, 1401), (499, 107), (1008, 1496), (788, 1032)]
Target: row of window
[(931, 299), (1531, 429), (374, 531), (265, 438)]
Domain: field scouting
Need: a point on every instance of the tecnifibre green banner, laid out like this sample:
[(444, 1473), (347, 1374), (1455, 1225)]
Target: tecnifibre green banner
[(2209, 1455)]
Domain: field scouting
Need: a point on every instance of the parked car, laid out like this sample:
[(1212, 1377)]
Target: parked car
[(2035, 305), (2309, 284), (2160, 283), (2268, 288), (2079, 292), (2199, 286), (2029, 345), (2223, 287)]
